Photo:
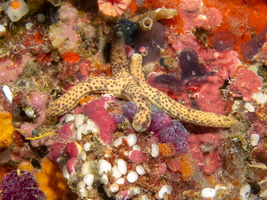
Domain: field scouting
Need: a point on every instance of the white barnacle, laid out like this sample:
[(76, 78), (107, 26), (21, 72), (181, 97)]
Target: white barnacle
[(79, 120), (88, 179), (103, 166), (122, 166), (140, 170), (132, 176), (154, 150), (164, 189)]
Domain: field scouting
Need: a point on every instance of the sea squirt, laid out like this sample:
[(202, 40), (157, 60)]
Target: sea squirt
[(191, 68), (251, 48)]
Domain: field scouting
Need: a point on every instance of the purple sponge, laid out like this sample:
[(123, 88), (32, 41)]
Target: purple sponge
[(176, 134), (21, 185)]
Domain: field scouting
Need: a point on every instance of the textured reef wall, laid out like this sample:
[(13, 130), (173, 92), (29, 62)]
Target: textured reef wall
[(99, 99)]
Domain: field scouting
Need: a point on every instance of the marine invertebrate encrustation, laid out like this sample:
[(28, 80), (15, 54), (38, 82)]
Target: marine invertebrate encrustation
[(128, 82)]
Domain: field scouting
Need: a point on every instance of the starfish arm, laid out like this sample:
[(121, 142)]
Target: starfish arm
[(70, 100), (118, 58), (181, 112), (142, 118), (136, 66)]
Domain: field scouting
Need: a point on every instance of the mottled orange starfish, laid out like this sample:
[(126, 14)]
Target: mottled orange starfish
[(128, 82)]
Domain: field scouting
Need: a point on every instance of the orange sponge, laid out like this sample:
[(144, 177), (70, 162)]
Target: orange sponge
[(6, 129)]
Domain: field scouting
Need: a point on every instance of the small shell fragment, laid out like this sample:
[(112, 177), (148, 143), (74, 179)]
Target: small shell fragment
[(254, 138), (245, 192), (8, 93)]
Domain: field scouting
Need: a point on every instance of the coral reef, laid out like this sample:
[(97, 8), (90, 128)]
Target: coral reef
[(140, 99)]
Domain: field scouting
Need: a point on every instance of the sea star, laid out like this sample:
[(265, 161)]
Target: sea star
[(128, 82)]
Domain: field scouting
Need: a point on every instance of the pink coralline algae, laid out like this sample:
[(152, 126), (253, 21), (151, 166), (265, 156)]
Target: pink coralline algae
[(70, 165), (62, 34), (11, 69), (245, 84), (56, 151), (20, 185), (65, 132), (95, 110), (203, 90), (37, 100), (205, 150), (136, 156), (196, 15)]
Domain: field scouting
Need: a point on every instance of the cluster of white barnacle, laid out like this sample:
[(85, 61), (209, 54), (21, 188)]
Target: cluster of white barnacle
[(118, 174)]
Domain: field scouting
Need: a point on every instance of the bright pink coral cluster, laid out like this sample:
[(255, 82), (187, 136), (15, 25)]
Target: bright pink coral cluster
[(95, 110), (58, 148)]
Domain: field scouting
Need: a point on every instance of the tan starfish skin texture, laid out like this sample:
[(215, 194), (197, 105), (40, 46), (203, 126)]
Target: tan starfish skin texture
[(128, 82)]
